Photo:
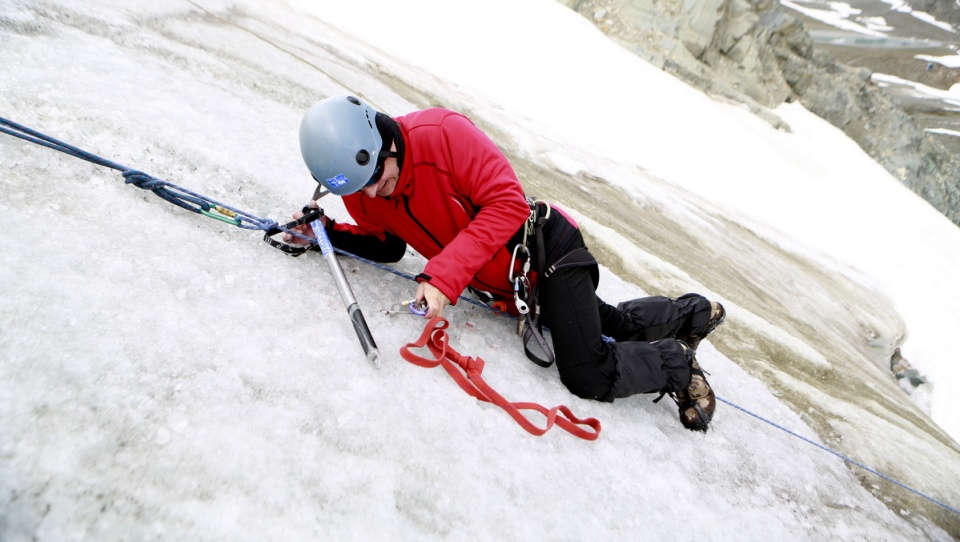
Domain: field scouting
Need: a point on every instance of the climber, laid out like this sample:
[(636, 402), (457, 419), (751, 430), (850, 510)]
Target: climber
[(432, 180)]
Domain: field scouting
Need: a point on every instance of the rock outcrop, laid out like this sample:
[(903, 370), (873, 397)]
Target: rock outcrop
[(757, 53)]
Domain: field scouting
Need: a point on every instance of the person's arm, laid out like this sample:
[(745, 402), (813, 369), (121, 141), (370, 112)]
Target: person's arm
[(383, 248), (484, 177)]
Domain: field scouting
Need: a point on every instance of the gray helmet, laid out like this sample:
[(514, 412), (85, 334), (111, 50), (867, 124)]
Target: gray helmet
[(340, 143)]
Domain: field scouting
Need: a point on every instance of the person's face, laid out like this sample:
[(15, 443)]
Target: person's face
[(388, 180)]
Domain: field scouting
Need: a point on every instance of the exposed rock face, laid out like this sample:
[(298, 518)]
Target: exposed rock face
[(758, 53), (943, 10)]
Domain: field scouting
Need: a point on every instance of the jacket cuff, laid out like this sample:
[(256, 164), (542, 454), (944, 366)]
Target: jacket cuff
[(444, 289)]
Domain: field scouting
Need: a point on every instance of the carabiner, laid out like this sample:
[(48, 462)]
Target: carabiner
[(522, 307), (513, 262), (412, 307), (226, 215), (420, 309)]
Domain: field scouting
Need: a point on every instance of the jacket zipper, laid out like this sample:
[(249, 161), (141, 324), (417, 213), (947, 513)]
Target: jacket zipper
[(406, 205)]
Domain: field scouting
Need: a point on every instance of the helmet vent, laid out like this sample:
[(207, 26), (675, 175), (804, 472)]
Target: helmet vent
[(363, 157), (353, 100)]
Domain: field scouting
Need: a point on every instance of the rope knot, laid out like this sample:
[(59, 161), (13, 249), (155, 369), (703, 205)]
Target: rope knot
[(470, 365), (142, 180)]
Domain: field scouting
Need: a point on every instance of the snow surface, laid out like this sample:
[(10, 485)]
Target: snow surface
[(903, 7), (884, 235), (838, 15), (164, 376), (950, 98), (951, 61), (845, 17)]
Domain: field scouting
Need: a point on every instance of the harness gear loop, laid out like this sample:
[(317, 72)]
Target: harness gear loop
[(466, 371), (531, 223), (529, 326), (522, 284)]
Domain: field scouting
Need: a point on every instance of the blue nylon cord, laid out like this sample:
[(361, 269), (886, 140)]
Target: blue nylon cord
[(841, 456), (201, 203), (177, 195)]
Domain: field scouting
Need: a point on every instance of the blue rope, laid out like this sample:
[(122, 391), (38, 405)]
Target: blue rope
[(180, 196), (841, 456), (197, 203), (176, 195)]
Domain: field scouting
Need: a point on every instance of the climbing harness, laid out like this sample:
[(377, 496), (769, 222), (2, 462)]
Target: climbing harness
[(525, 285), (526, 281), (466, 371)]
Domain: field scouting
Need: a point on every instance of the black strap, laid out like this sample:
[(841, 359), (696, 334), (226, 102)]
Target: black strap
[(577, 257), (292, 250), (533, 329)]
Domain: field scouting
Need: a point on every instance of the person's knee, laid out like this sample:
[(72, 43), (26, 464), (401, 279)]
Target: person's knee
[(587, 382)]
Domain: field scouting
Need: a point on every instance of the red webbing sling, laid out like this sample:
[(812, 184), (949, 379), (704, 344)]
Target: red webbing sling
[(466, 371)]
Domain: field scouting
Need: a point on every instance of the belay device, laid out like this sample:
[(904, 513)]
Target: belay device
[(313, 218)]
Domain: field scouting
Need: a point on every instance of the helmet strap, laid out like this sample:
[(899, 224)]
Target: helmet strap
[(390, 134), (320, 192)]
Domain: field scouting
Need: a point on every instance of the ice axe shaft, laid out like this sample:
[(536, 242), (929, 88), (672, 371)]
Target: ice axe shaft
[(349, 301)]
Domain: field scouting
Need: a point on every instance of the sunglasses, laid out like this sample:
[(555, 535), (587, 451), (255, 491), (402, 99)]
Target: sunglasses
[(378, 171)]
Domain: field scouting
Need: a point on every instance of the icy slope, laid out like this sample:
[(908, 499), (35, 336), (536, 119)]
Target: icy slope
[(167, 376)]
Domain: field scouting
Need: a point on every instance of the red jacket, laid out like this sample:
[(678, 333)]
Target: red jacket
[(457, 202)]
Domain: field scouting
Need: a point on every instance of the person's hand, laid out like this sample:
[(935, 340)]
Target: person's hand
[(304, 229), (433, 297)]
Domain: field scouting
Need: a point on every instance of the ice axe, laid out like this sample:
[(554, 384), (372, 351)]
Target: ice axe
[(313, 217), (346, 293)]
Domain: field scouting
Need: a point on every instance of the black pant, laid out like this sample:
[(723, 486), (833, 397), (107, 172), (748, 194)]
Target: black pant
[(645, 357)]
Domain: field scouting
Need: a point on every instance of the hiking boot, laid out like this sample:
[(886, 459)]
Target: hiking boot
[(698, 401), (716, 318)]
